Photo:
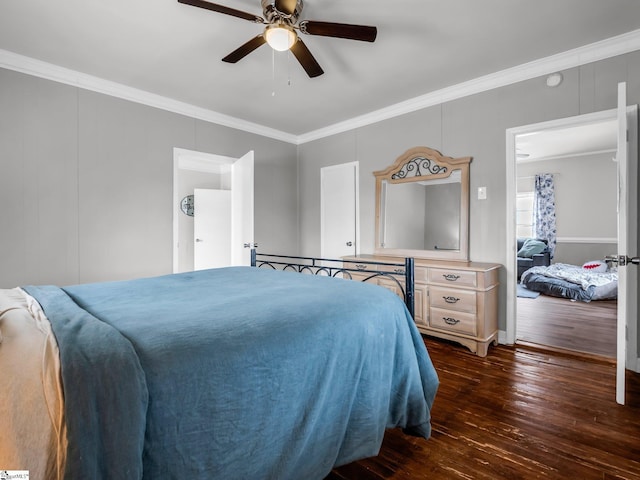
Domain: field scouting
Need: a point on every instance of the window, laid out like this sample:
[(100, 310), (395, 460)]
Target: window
[(524, 214)]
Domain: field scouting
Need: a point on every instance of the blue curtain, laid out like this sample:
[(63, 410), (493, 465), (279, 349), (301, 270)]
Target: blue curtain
[(544, 210)]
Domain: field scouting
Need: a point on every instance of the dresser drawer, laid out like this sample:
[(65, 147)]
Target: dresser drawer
[(461, 278), (389, 284), (453, 299), (370, 277), (357, 276), (452, 321)]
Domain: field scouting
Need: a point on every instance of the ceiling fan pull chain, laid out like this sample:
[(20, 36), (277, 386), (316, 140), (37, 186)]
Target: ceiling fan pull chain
[(273, 73)]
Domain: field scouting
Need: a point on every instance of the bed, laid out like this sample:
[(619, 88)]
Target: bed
[(227, 373), (571, 281)]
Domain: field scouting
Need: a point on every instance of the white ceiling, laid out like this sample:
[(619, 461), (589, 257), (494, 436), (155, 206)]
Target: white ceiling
[(174, 50), (560, 143)]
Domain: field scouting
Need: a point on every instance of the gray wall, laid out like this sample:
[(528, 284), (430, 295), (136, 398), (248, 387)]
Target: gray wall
[(86, 183), (586, 203), (86, 179), (471, 126)]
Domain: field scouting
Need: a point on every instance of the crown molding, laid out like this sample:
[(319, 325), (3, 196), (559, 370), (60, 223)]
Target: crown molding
[(49, 71), (611, 47)]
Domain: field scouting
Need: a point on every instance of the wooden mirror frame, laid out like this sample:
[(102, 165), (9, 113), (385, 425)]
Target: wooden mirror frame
[(419, 164)]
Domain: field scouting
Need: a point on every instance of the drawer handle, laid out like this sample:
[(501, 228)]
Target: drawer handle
[(450, 321), (361, 267), (450, 277), (451, 299)]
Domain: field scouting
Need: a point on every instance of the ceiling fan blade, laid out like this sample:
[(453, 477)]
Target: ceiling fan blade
[(222, 9), (339, 30), (244, 50), (287, 7), (302, 53)]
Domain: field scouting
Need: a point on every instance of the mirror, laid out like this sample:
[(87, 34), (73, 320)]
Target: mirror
[(422, 206)]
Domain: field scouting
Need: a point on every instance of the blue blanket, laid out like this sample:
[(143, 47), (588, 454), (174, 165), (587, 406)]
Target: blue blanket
[(234, 373)]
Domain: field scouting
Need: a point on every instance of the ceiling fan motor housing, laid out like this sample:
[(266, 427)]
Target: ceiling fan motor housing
[(273, 15)]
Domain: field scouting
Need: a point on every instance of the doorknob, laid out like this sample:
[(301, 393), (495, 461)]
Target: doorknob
[(349, 244), (622, 260)]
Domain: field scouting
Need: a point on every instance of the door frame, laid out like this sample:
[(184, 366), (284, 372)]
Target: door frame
[(632, 361), (356, 191), (193, 160), (242, 209)]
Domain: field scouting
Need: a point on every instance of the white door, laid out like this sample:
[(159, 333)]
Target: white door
[(339, 210), (211, 227), (242, 239), (627, 237)]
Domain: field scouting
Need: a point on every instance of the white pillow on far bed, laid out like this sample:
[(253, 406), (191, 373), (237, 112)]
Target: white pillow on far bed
[(595, 266)]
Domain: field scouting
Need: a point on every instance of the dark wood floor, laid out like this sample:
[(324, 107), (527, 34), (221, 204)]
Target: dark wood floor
[(519, 413), (559, 322)]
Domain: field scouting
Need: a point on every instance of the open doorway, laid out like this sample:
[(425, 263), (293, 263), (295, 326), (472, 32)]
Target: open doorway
[(203, 172), (577, 156), (626, 233), (578, 162)]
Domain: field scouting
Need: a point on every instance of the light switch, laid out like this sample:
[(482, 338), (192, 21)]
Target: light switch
[(482, 193)]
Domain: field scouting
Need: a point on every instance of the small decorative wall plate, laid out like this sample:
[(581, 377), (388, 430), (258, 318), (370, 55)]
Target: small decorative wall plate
[(186, 205)]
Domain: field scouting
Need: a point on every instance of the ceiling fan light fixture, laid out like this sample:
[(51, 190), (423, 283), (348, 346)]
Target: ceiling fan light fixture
[(280, 37)]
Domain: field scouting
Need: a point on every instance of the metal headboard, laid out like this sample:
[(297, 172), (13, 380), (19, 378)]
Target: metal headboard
[(402, 274)]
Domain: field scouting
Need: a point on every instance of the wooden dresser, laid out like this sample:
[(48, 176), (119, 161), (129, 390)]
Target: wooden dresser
[(454, 300)]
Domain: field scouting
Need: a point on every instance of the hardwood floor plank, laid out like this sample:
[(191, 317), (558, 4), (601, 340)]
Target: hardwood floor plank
[(559, 322), (519, 413)]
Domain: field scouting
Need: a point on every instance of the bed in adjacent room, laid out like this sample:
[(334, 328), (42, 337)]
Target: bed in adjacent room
[(230, 373), (572, 281)]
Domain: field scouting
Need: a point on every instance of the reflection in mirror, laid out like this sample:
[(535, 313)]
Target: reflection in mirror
[(422, 206), (422, 215)]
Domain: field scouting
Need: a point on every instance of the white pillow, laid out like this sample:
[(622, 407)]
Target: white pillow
[(595, 266)]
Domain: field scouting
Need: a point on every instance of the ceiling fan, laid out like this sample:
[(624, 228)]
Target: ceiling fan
[(281, 20)]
